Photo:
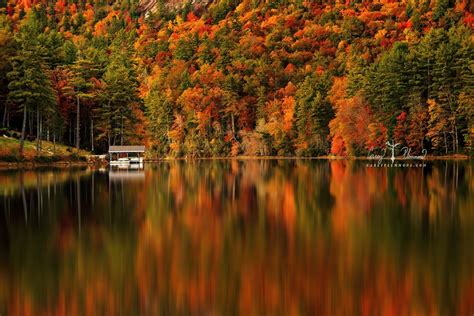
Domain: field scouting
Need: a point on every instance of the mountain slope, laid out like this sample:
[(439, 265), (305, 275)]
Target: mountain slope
[(209, 78)]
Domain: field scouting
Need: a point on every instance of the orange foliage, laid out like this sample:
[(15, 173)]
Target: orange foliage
[(73, 9), (377, 136), (349, 128), (60, 6), (191, 17), (288, 108), (100, 28), (89, 14)]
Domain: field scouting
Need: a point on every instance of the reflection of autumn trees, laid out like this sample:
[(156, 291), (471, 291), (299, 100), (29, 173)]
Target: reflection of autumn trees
[(255, 235), (10, 181), (289, 237), (355, 190)]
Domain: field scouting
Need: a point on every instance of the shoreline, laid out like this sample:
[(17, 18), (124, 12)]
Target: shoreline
[(4, 165), (326, 157), (33, 165), (448, 157)]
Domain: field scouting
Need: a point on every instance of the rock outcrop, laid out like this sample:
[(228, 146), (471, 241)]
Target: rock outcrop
[(149, 6)]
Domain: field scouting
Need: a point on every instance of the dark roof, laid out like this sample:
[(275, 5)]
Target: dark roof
[(126, 149)]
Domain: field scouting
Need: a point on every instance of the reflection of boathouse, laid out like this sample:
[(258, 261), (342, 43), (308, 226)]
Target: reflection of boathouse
[(126, 155), (126, 174)]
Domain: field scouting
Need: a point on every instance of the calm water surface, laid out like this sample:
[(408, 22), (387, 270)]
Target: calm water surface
[(258, 237)]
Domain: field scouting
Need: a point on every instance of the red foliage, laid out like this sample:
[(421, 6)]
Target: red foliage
[(338, 146), (60, 6), (418, 122), (73, 9), (404, 25), (469, 20), (26, 4), (289, 69), (191, 17), (377, 136), (401, 129), (385, 42), (351, 121)]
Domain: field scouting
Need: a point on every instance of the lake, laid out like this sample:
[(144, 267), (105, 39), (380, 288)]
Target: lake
[(239, 237)]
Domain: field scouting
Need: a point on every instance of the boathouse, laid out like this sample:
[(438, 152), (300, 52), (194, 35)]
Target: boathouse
[(126, 154)]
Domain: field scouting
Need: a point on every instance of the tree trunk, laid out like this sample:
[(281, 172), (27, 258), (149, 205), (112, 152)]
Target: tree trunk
[(37, 129), (5, 113), (54, 142), (233, 124), (70, 137), (109, 126), (30, 125), (78, 125), (454, 142), (121, 131), (445, 143), (40, 133), (456, 137), (92, 135), (23, 130)]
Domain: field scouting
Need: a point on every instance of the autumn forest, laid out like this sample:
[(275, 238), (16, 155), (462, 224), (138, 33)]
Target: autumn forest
[(230, 78)]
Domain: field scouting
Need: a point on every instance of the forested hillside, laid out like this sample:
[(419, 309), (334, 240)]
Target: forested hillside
[(228, 77)]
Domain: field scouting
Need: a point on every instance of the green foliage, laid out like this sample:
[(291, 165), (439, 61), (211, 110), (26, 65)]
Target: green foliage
[(440, 9), (185, 48), (54, 54), (388, 80), (120, 93), (221, 8), (437, 71), (160, 115), (70, 52), (313, 113), (7, 50), (352, 28), (29, 84)]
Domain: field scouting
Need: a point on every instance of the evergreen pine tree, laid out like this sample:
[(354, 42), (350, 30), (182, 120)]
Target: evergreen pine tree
[(160, 115), (83, 71), (313, 113), (29, 84), (120, 95)]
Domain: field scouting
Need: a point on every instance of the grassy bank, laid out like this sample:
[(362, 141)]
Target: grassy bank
[(9, 152)]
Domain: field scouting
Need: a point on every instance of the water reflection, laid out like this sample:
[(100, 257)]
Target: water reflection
[(259, 237)]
